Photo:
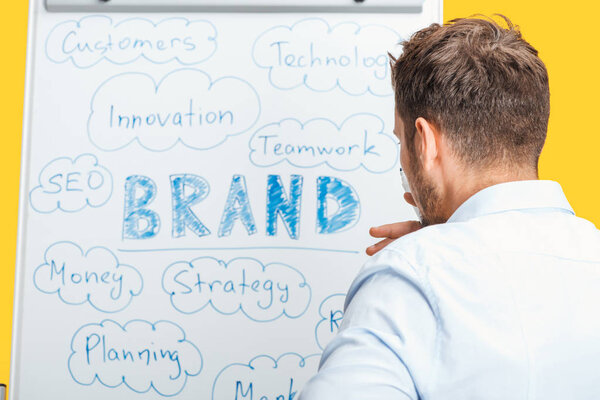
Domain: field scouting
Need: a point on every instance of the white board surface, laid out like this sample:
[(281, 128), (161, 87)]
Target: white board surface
[(196, 195)]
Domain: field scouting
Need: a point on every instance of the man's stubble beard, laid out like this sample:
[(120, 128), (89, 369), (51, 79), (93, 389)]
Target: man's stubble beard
[(426, 195)]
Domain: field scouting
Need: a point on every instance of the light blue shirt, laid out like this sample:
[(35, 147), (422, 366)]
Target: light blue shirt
[(502, 302)]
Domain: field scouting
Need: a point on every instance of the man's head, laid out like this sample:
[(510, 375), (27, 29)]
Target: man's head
[(472, 107)]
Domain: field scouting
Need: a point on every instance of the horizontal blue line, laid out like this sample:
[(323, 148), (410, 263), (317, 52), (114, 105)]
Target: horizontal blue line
[(240, 248)]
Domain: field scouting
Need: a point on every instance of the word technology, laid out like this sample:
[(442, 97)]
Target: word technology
[(313, 57), (142, 222)]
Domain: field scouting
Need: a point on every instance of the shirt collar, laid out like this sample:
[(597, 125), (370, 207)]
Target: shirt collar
[(510, 196)]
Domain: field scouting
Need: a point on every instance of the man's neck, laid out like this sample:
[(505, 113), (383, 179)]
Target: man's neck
[(462, 186)]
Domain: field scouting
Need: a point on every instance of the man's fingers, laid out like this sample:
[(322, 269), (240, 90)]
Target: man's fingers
[(394, 231), (408, 197), (378, 246), (391, 232)]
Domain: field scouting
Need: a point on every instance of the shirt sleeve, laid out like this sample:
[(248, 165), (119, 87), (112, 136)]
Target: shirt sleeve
[(385, 347)]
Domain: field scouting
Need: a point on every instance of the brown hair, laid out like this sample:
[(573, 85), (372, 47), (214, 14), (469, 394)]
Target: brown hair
[(481, 85)]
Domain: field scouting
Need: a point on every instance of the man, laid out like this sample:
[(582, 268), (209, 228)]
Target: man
[(497, 296)]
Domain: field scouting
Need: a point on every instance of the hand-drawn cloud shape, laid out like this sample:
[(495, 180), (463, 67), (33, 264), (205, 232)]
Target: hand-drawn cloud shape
[(185, 106), (358, 142), (263, 293), (71, 185), (265, 377), (322, 57), (140, 355), (95, 277), (94, 38), (331, 311)]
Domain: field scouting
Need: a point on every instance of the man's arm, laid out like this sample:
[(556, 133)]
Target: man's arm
[(385, 346)]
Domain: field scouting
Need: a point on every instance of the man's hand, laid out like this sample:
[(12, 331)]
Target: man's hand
[(391, 232)]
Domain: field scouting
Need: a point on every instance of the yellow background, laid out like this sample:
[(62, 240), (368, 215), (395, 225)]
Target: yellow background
[(565, 33)]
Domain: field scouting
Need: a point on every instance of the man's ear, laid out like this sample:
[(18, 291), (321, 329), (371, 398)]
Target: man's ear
[(426, 143)]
